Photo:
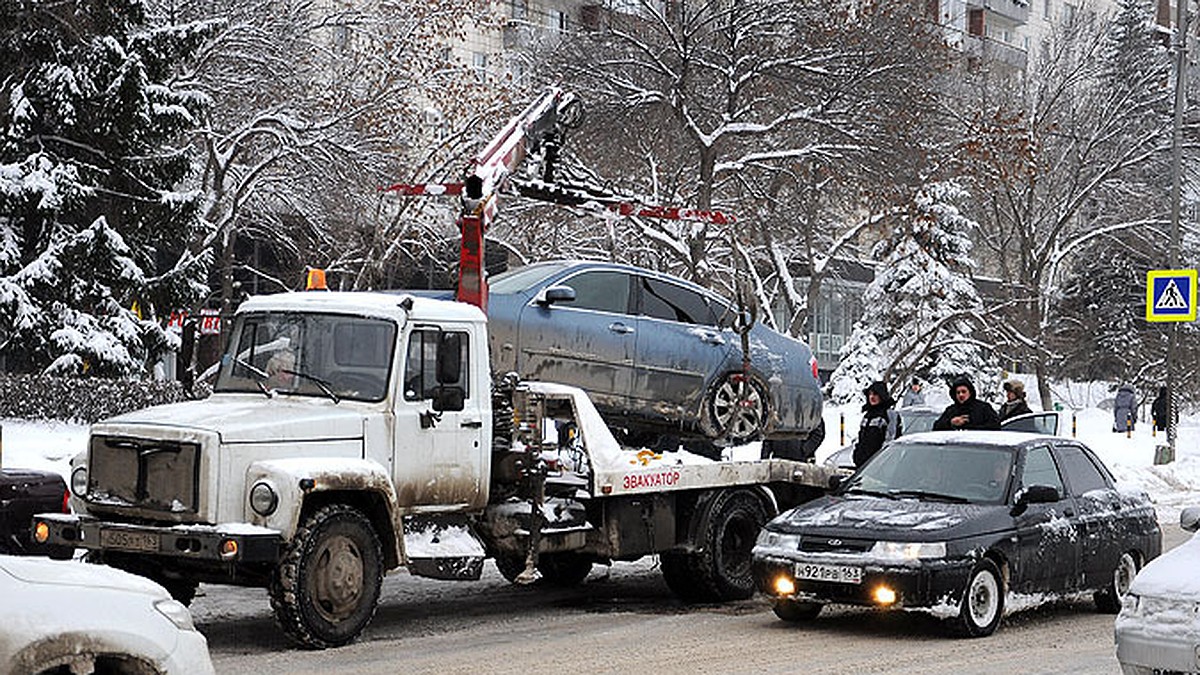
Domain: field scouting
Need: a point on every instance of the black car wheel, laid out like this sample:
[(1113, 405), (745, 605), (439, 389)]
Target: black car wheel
[(1108, 600), (325, 589), (795, 610), (982, 605), (737, 408)]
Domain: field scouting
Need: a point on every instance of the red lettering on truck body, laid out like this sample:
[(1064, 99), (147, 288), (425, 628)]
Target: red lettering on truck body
[(637, 481)]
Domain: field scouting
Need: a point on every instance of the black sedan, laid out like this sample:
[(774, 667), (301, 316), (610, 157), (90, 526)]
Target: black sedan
[(655, 353), (955, 521)]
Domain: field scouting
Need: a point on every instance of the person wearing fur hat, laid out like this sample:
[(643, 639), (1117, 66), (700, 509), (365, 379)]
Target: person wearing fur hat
[(880, 424), (967, 411), (1014, 392)]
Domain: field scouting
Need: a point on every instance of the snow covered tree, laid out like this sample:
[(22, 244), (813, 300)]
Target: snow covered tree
[(90, 217), (1070, 154), (922, 306), (796, 116)]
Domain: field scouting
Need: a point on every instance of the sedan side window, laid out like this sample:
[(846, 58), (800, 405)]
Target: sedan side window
[(1040, 469), (601, 291), (1082, 474), (662, 300)]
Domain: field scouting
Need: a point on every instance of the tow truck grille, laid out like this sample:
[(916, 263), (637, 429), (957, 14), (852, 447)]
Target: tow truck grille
[(145, 473)]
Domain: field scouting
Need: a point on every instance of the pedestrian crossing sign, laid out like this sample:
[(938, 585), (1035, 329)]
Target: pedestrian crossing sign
[(1171, 295)]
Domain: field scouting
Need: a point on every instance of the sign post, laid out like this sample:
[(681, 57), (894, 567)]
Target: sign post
[(1170, 298)]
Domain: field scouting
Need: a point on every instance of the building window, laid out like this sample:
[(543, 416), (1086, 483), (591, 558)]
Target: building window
[(557, 20), (520, 9), (1046, 9), (1068, 14), (479, 61), (975, 22)]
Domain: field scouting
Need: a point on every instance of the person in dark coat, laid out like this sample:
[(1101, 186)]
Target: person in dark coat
[(967, 411), (1159, 409), (880, 424), (1123, 408), (1015, 404)]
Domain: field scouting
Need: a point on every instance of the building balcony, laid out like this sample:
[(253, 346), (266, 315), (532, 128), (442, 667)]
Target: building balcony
[(1016, 11), (994, 51)]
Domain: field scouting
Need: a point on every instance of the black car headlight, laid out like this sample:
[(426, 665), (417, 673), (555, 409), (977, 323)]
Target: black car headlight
[(909, 550), (778, 540)]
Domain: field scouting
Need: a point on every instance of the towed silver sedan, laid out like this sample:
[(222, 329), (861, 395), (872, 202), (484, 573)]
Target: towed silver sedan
[(654, 352)]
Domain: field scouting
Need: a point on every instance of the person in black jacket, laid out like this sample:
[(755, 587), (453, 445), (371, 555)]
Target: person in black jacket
[(880, 424), (1159, 409), (967, 411)]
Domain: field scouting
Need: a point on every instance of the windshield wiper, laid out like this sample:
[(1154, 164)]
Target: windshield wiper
[(864, 491), (260, 374), (931, 495), (324, 385)]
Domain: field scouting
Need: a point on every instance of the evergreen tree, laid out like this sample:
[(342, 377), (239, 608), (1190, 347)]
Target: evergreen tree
[(91, 223), (917, 309)]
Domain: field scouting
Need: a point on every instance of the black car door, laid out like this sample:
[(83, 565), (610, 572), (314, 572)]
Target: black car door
[(1046, 556), (1098, 504)]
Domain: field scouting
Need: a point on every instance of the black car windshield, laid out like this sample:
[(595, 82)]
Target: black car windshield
[(955, 472), (309, 354), (523, 278)]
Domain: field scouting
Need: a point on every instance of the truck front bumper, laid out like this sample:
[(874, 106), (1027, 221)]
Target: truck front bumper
[(219, 543)]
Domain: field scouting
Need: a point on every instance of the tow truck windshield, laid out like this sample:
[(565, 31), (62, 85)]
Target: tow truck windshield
[(306, 354)]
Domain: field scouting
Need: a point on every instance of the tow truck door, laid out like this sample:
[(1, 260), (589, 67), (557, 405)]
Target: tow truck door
[(439, 455)]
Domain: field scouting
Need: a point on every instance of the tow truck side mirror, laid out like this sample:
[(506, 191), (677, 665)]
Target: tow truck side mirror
[(554, 294)]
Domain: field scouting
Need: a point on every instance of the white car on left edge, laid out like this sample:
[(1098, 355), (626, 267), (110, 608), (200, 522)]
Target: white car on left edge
[(68, 616), (1158, 629)]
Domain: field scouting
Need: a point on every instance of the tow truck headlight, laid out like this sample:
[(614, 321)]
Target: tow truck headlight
[(263, 499), (909, 550), (79, 482), (778, 540)]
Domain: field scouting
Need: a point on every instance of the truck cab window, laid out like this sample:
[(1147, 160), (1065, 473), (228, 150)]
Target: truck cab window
[(420, 366)]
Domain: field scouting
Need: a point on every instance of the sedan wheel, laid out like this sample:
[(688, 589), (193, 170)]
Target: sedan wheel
[(738, 408), (1108, 600), (982, 604)]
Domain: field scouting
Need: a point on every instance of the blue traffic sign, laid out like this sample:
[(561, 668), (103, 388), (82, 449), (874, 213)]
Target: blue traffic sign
[(1171, 295)]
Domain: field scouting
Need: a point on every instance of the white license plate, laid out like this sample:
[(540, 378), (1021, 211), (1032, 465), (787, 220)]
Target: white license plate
[(129, 541), (838, 574)]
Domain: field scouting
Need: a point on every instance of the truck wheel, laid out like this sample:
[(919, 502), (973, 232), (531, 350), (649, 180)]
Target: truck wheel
[(325, 589), (510, 566), (563, 569), (737, 409), (720, 569)]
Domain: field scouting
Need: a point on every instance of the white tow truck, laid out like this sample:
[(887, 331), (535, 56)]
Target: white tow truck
[(350, 434)]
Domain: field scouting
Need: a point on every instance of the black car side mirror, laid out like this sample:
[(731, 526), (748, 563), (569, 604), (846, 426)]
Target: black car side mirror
[(1035, 494)]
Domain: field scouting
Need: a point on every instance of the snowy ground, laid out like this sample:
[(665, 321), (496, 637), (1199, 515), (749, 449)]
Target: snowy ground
[(50, 445)]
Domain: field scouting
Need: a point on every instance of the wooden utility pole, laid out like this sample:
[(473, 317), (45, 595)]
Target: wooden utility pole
[(1181, 22)]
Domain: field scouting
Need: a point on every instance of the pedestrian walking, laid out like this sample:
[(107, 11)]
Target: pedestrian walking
[(1123, 408), (1160, 409)]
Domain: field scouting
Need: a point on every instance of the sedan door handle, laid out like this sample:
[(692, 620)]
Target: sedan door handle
[(472, 424), (712, 339), (618, 327)]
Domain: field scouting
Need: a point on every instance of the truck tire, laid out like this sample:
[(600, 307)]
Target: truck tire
[(510, 565), (326, 588), (720, 569), (564, 569)]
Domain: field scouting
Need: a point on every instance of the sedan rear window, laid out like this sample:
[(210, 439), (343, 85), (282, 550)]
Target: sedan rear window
[(662, 300)]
